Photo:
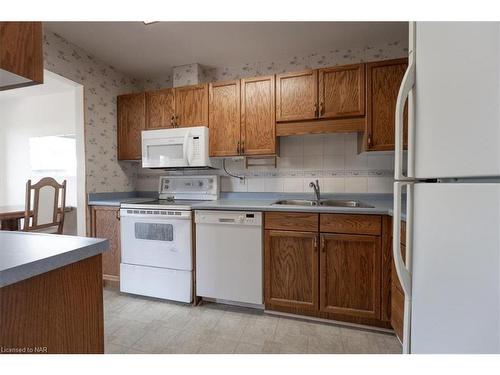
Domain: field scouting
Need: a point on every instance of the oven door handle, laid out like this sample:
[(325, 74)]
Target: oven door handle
[(184, 216)]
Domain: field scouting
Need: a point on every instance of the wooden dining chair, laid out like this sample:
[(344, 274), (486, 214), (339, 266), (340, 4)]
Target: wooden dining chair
[(45, 205)]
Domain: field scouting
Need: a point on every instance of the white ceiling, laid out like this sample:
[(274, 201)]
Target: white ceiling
[(145, 51)]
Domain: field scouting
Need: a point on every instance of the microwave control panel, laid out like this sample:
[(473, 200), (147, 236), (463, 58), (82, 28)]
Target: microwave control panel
[(196, 148)]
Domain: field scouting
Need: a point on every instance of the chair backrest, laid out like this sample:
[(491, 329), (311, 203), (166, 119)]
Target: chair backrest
[(45, 205)]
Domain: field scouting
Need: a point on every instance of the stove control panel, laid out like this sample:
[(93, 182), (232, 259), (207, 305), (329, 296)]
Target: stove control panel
[(189, 187)]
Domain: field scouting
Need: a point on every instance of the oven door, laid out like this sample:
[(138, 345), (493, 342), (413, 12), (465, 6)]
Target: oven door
[(156, 238)]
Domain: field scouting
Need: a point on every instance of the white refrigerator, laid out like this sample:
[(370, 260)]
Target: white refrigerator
[(449, 182)]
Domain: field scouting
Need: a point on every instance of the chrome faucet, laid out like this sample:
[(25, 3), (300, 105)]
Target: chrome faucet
[(315, 186)]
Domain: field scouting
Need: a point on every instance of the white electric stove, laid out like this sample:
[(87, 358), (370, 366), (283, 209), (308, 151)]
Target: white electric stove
[(156, 238)]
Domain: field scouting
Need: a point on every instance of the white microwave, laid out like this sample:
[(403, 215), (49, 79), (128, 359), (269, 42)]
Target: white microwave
[(175, 148)]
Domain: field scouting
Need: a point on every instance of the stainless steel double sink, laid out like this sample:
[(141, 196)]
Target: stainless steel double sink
[(323, 202)]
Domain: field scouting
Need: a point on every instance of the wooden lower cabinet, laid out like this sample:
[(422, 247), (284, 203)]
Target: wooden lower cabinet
[(105, 223), (56, 312), (350, 274), (291, 269), (335, 276)]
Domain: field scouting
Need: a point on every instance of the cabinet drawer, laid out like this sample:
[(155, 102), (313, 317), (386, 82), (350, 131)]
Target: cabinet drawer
[(305, 222), (351, 224), (397, 311)]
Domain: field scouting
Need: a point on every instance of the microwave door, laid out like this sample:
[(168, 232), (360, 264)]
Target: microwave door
[(161, 153)]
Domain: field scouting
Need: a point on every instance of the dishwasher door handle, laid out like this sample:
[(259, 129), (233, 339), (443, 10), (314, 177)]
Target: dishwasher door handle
[(223, 220)]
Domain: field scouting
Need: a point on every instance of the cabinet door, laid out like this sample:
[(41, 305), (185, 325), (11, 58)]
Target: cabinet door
[(160, 109), (106, 224), (297, 96), (131, 121), (258, 124), (350, 276), (383, 82), (342, 91), (21, 53), (224, 117), (291, 269), (191, 105)]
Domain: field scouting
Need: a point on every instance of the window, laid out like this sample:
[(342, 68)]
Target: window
[(53, 155)]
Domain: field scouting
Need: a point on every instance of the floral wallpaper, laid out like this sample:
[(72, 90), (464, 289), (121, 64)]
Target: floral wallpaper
[(157, 83), (102, 83), (390, 50)]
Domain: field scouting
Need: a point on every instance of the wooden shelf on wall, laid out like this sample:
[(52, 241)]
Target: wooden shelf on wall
[(347, 125)]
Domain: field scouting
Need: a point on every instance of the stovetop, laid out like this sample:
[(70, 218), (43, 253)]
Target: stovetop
[(163, 204)]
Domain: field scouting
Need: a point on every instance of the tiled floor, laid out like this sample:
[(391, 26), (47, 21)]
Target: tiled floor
[(141, 325)]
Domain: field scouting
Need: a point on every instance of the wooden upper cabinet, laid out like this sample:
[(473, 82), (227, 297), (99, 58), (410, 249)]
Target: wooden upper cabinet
[(383, 82), (21, 54), (258, 123), (106, 224), (341, 91), (291, 269), (224, 118), (350, 281), (297, 96), (130, 123), (160, 109), (191, 105)]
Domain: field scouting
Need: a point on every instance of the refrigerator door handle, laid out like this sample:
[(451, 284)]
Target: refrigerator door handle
[(407, 85), (402, 270)]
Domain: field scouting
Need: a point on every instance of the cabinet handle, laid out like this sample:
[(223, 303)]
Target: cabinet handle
[(238, 148), (320, 111), (315, 243), (176, 121), (172, 121), (242, 147), (369, 140), (315, 109), (118, 214), (323, 249)]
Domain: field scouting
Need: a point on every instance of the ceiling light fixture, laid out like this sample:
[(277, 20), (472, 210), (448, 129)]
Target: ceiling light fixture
[(149, 22)]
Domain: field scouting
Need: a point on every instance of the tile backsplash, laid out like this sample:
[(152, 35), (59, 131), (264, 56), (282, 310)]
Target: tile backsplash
[(330, 158)]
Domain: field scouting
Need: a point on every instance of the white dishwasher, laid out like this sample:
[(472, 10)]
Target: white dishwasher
[(229, 256)]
